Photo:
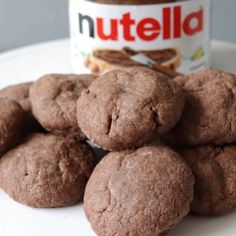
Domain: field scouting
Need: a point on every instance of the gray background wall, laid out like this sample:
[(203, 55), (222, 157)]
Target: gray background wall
[(24, 22)]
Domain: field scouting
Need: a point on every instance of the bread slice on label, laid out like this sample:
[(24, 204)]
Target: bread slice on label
[(107, 59)]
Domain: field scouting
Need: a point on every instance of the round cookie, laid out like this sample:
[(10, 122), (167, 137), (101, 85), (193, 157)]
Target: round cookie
[(142, 192), (54, 99), (128, 108), (47, 171), (214, 169), (20, 94), (210, 112), (11, 123)]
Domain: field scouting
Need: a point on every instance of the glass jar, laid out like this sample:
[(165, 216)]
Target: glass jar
[(171, 33)]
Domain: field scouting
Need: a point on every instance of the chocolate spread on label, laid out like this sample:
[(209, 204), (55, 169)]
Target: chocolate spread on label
[(119, 57), (172, 33)]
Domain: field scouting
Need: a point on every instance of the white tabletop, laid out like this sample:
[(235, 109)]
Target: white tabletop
[(17, 220)]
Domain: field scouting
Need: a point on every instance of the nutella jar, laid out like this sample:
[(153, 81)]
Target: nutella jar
[(108, 34)]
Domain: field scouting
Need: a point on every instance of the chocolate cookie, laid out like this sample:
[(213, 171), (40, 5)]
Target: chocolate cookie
[(11, 123), (47, 171), (214, 169), (141, 192), (210, 113), (54, 99), (20, 94), (128, 108)]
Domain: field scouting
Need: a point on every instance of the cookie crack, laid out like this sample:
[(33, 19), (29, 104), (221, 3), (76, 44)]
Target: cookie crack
[(109, 125), (61, 110), (196, 90), (113, 117), (105, 209), (230, 104), (223, 183), (156, 118), (154, 112)]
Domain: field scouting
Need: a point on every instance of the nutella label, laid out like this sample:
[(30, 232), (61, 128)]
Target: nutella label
[(106, 36)]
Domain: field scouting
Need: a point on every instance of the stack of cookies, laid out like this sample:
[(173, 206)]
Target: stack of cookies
[(144, 185), (147, 189), (206, 136), (45, 161), (136, 189)]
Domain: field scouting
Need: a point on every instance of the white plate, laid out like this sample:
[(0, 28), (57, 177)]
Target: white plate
[(17, 220)]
